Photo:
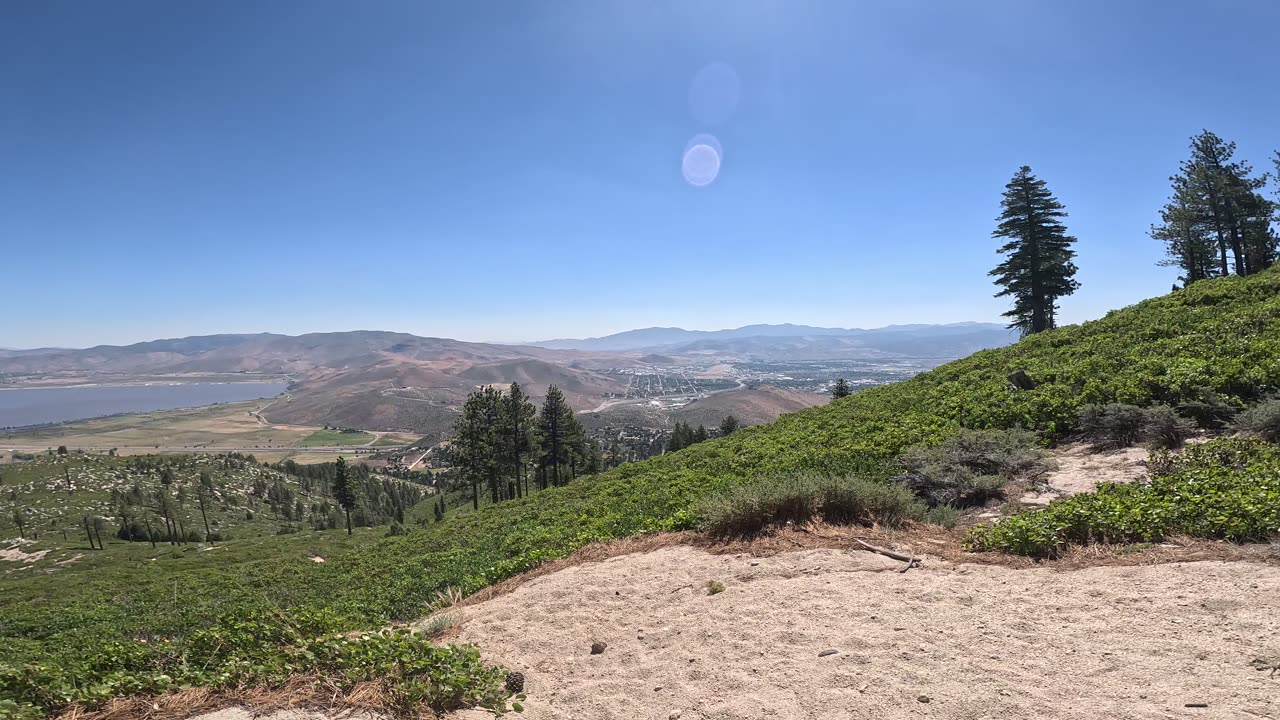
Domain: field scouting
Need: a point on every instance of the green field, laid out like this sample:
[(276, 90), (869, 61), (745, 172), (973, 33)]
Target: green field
[(78, 632), (336, 438)]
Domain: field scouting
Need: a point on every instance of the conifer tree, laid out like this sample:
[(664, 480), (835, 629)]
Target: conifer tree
[(700, 435), (1185, 235), (472, 447), (343, 489), (555, 428), (1037, 269), (729, 425), (518, 425), (841, 389), (1225, 198)]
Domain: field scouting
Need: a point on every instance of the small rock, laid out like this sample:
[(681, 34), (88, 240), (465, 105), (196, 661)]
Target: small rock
[(825, 653), (863, 687), (658, 689), (675, 715), (598, 647), (923, 698), (757, 562)]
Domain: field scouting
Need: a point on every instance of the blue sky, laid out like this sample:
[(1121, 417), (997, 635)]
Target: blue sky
[(511, 170)]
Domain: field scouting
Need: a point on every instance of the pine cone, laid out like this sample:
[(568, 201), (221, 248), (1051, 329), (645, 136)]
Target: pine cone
[(515, 683)]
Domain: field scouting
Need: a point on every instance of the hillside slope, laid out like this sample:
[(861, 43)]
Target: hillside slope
[(752, 406), (1220, 336)]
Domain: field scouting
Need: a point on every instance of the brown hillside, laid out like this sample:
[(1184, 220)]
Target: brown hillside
[(752, 406)]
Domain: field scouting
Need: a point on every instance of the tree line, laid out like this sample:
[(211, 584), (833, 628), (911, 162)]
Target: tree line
[(502, 441), (1217, 222)]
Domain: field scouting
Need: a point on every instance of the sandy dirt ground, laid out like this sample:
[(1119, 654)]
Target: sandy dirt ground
[(942, 641), (1080, 470)]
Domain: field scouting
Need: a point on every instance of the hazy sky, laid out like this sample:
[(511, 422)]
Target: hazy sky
[(513, 170)]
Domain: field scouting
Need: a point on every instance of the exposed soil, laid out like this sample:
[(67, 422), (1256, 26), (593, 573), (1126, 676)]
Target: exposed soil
[(976, 641), (1080, 469)]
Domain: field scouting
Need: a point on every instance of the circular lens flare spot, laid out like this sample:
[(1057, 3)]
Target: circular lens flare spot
[(701, 163)]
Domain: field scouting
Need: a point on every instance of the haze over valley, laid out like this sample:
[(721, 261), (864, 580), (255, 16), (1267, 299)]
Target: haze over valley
[(384, 381)]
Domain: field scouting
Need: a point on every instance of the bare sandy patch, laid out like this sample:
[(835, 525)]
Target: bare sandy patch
[(17, 554), (1080, 469), (946, 640)]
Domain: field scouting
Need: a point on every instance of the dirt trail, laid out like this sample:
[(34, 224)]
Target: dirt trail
[(945, 641), (1081, 470)]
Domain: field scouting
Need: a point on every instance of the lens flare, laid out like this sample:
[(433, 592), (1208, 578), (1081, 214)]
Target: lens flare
[(701, 163)]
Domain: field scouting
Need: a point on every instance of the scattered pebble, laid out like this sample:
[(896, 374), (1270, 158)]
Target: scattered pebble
[(598, 647), (825, 653), (923, 698)]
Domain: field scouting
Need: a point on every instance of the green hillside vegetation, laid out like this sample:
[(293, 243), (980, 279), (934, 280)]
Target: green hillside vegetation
[(78, 637)]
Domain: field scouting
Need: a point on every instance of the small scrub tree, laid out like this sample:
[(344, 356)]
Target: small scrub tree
[(1263, 420), (1165, 429), (841, 389), (1112, 426)]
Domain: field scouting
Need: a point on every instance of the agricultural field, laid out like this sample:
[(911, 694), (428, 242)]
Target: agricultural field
[(337, 438), (1213, 343)]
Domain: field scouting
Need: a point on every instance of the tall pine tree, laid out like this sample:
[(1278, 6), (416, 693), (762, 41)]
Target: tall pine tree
[(343, 489), (556, 429), (1185, 235), (518, 426), (1037, 269), (474, 450), (1224, 199)]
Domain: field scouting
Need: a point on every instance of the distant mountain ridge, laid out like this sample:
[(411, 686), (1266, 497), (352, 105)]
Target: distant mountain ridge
[(673, 338)]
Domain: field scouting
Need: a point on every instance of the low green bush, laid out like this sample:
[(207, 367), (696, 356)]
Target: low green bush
[(1118, 425), (1263, 420), (1111, 426), (238, 652), (773, 501), (1225, 489), (1208, 411), (1165, 429), (971, 467)]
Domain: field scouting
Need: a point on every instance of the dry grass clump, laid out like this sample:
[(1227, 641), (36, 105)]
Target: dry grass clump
[(770, 502)]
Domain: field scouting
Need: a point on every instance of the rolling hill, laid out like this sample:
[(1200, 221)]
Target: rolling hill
[(424, 396), (793, 341), (1217, 339), (752, 406)]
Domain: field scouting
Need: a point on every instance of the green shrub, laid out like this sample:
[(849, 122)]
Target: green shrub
[(1112, 426), (1263, 420), (772, 501), (714, 587), (944, 515), (1225, 489), (971, 467), (1209, 411), (1165, 429)]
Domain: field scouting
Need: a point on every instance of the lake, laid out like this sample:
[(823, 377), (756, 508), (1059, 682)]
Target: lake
[(37, 406)]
